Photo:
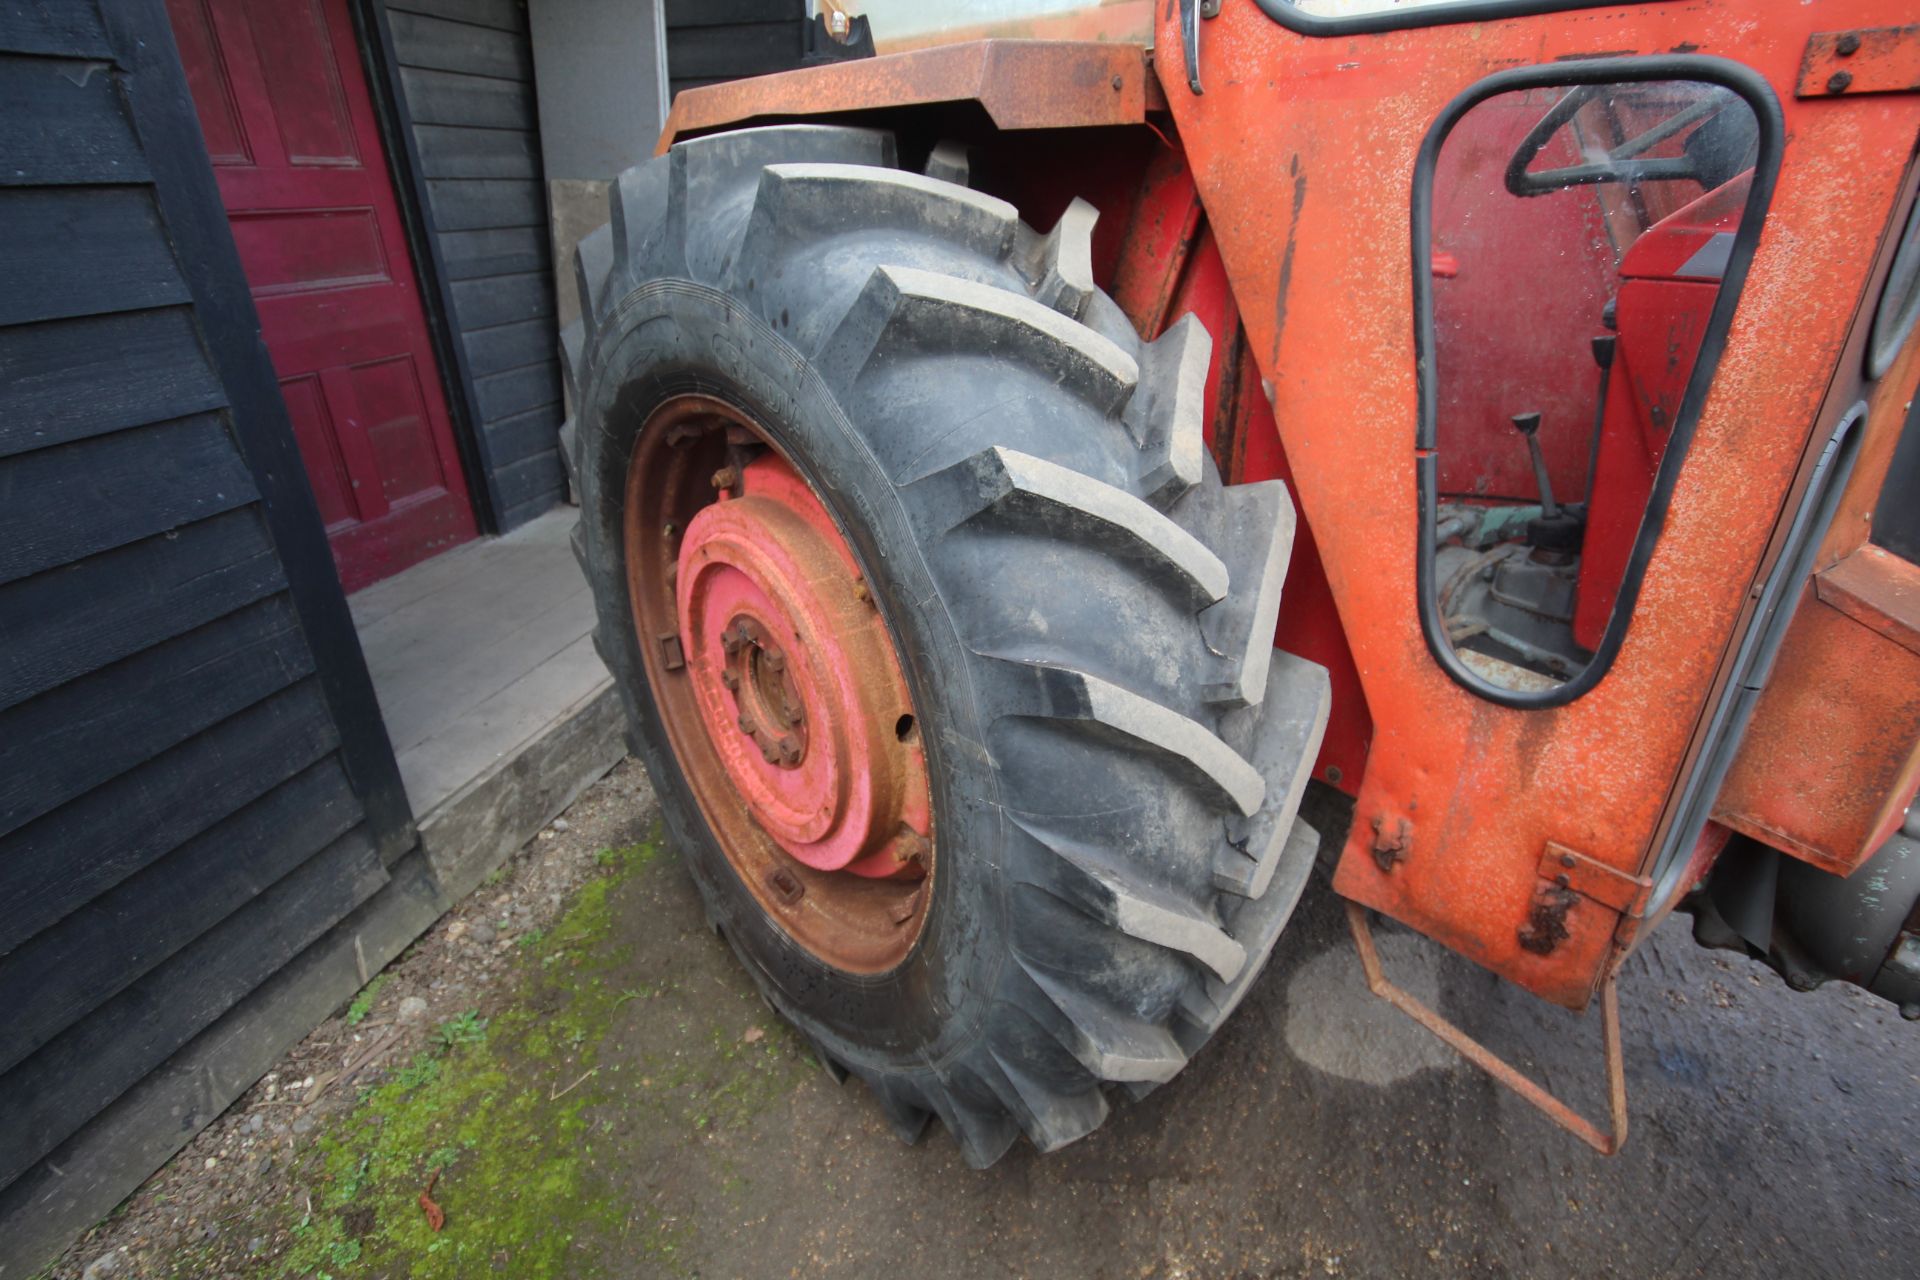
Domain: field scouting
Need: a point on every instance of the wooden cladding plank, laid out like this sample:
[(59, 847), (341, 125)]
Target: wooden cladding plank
[(509, 440), (65, 742), (507, 15), (59, 28), (52, 981), (493, 251), (504, 394), (78, 499), (709, 13), (466, 204), (447, 97), (502, 300), (509, 346), (742, 49), (440, 45), (62, 624), (70, 379), (76, 251), (50, 1095), (535, 479), (61, 121), (51, 867), (450, 151), (532, 508)]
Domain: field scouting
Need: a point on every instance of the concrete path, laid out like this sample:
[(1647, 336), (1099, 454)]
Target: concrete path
[(1774, 1134)]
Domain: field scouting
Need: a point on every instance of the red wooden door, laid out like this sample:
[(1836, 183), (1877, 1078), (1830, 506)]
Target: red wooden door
[(290, 128)]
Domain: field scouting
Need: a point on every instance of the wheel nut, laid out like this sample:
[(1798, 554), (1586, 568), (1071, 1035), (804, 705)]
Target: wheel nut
[(784, 884), (729, 679), (747, 724), (725, 478), (773, 659), (789, 750)]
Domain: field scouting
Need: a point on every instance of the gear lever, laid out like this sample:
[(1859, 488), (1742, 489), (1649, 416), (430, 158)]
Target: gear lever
[(1555, 534), (1528, 425)]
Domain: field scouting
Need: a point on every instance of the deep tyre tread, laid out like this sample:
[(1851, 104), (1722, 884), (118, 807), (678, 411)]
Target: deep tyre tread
[(1091, 611)]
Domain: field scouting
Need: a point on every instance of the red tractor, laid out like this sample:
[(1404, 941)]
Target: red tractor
[(1015, 473)]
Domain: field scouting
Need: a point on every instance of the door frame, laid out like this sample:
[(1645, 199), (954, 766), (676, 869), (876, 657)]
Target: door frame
[(164, 116)]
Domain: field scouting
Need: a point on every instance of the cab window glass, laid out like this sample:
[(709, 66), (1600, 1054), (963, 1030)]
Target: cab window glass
[(1579, 239)]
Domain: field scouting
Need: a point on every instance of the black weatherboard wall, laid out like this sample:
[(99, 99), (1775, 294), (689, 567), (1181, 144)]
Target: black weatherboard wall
[(461, 79), (198, 803), (713, 40)]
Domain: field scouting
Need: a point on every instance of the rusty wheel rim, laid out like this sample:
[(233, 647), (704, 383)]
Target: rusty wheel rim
[(778, 685)]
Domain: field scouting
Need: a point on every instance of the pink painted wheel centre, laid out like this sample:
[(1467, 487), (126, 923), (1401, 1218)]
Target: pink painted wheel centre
[(796, 680)]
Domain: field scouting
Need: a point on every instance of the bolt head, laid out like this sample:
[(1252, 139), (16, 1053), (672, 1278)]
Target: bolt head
[(773, 659), (1839, 81), (729, 679)]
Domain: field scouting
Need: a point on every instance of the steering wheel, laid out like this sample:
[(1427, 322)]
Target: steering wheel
[(1712, 154)]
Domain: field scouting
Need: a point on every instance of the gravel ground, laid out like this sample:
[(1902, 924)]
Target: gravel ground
[(1320, 1134)]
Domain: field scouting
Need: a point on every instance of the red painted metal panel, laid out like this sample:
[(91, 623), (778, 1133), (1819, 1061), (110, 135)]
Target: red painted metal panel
[(291, 130), (1323, 280)]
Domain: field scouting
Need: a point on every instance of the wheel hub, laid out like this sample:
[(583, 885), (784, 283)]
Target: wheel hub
[(796, 680)]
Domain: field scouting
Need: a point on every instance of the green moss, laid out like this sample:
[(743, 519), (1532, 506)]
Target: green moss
[(495, 1115), (363, 1003), (516, 1112)]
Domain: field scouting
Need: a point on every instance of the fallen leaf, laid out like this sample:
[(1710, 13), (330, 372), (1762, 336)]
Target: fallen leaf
[(754, 1034), (436, 1216)]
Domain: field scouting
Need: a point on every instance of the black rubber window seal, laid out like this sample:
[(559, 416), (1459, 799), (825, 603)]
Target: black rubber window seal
[(1766, 110), (1407, 17)]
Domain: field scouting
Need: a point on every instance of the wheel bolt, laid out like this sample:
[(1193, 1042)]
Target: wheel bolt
[(725, 478), (773, 659), (729, 679), (789, 749), (747, 724)]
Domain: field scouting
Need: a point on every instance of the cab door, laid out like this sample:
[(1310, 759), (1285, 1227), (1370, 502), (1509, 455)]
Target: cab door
[(1552, 302)]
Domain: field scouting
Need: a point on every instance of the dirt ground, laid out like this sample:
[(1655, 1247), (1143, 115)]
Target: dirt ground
[(591, 1088)]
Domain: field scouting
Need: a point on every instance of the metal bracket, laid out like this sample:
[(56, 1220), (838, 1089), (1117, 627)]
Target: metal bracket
[(1473, 1051), (1870, 60), (1611, 887)]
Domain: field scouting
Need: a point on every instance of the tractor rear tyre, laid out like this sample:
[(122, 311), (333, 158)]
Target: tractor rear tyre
[(947, 650)]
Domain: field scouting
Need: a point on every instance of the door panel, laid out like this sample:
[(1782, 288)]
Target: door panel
[(290, 127), (1304, 148)]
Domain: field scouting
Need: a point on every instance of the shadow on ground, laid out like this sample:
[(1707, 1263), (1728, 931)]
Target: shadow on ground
[(630, 1108)]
